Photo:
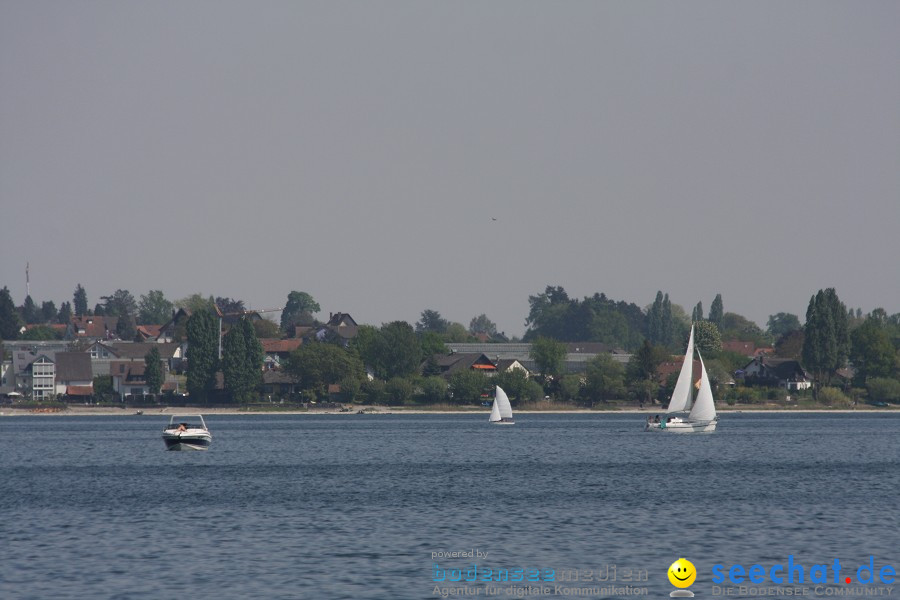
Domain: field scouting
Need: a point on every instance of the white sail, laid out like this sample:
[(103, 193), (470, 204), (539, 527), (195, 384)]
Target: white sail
[(681, 396), (495, 412), (704, 407), (501, 400)]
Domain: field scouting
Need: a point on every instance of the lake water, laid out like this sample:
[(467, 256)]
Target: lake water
[(354, 506)]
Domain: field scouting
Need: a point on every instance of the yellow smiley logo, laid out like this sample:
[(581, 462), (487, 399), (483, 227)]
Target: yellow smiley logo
[(682, 573)]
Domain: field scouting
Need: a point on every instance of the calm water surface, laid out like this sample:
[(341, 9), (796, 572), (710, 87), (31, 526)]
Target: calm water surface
[(353, 506)]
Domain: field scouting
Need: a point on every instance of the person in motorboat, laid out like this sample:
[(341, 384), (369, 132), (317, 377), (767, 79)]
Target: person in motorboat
[(182, 427)]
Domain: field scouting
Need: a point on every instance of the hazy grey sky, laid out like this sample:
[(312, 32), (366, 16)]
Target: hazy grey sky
[(359, 150)]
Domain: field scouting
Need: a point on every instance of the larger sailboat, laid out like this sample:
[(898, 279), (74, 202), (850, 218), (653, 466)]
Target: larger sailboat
[(701, 417)]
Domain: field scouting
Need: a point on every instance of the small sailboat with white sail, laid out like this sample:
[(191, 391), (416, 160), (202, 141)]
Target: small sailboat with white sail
[(681, 415), (501, 411)]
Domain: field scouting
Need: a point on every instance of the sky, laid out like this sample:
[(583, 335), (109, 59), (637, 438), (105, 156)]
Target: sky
[(392, 157)]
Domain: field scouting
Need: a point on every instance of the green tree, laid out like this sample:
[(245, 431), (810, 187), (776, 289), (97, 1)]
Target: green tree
[(570, 387), (782, 324), (196, 303), (202, 354), (826, 341), (153, 373), (481, 324), (397, 349), (39, 333), (642, 371), (466, 387), (717, 311), (399, 391), (883, 389), (707, 338), (10, 321), (604, 379), (30, 312), (80, 301), (154, 309), (431, 320), (434, 390), (49, 313), (266, 328), (103, 388), (316, 365), (298, 310), (515, 383), (65, 313), (242, 360), (432, 343), (122, 304), (457, 333), (697, 315), (548, 356), (871, 351)]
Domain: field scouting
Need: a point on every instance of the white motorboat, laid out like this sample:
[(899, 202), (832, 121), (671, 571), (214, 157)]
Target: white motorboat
[(187, 432), (501, 411), (701, 417)]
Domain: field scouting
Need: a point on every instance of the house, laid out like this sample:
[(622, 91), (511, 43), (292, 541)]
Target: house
[(39, 378), (128, 378), (73, 374), (448, 364), (785, 373), (510, 364), (173, 329), (103, 353), (277, 351), (92, 328), (148, 333), (279, 384), (340, 327)]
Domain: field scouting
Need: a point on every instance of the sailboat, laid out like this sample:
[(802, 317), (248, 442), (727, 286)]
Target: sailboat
[(501, 411), (699, 418)]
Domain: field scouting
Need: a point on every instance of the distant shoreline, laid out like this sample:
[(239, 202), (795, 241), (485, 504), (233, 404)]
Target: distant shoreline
[(101, 411)]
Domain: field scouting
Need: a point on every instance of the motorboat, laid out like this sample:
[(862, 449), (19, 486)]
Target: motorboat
[(187, 432)]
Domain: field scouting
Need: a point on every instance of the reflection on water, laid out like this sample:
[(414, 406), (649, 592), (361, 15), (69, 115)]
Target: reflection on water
[(354, 506)]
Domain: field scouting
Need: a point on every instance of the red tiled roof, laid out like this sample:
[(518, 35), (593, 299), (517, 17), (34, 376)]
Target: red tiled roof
[(271, 345)]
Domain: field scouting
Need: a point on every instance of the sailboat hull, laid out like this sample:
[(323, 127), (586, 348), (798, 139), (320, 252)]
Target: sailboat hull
[(503, 422), (684, 426)]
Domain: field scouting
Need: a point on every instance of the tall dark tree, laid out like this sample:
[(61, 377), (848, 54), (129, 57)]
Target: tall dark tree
[(431, 321), (643, 368), (49, 314), (298, 310), (153, 372), (826, 342), (30, 312), (655, 328), (119, 304), (80, 301), (717, 311), (668, 323), (10, 321), (202, 354), (65, 313), (697, 315), (242, 362), (153, 308)]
